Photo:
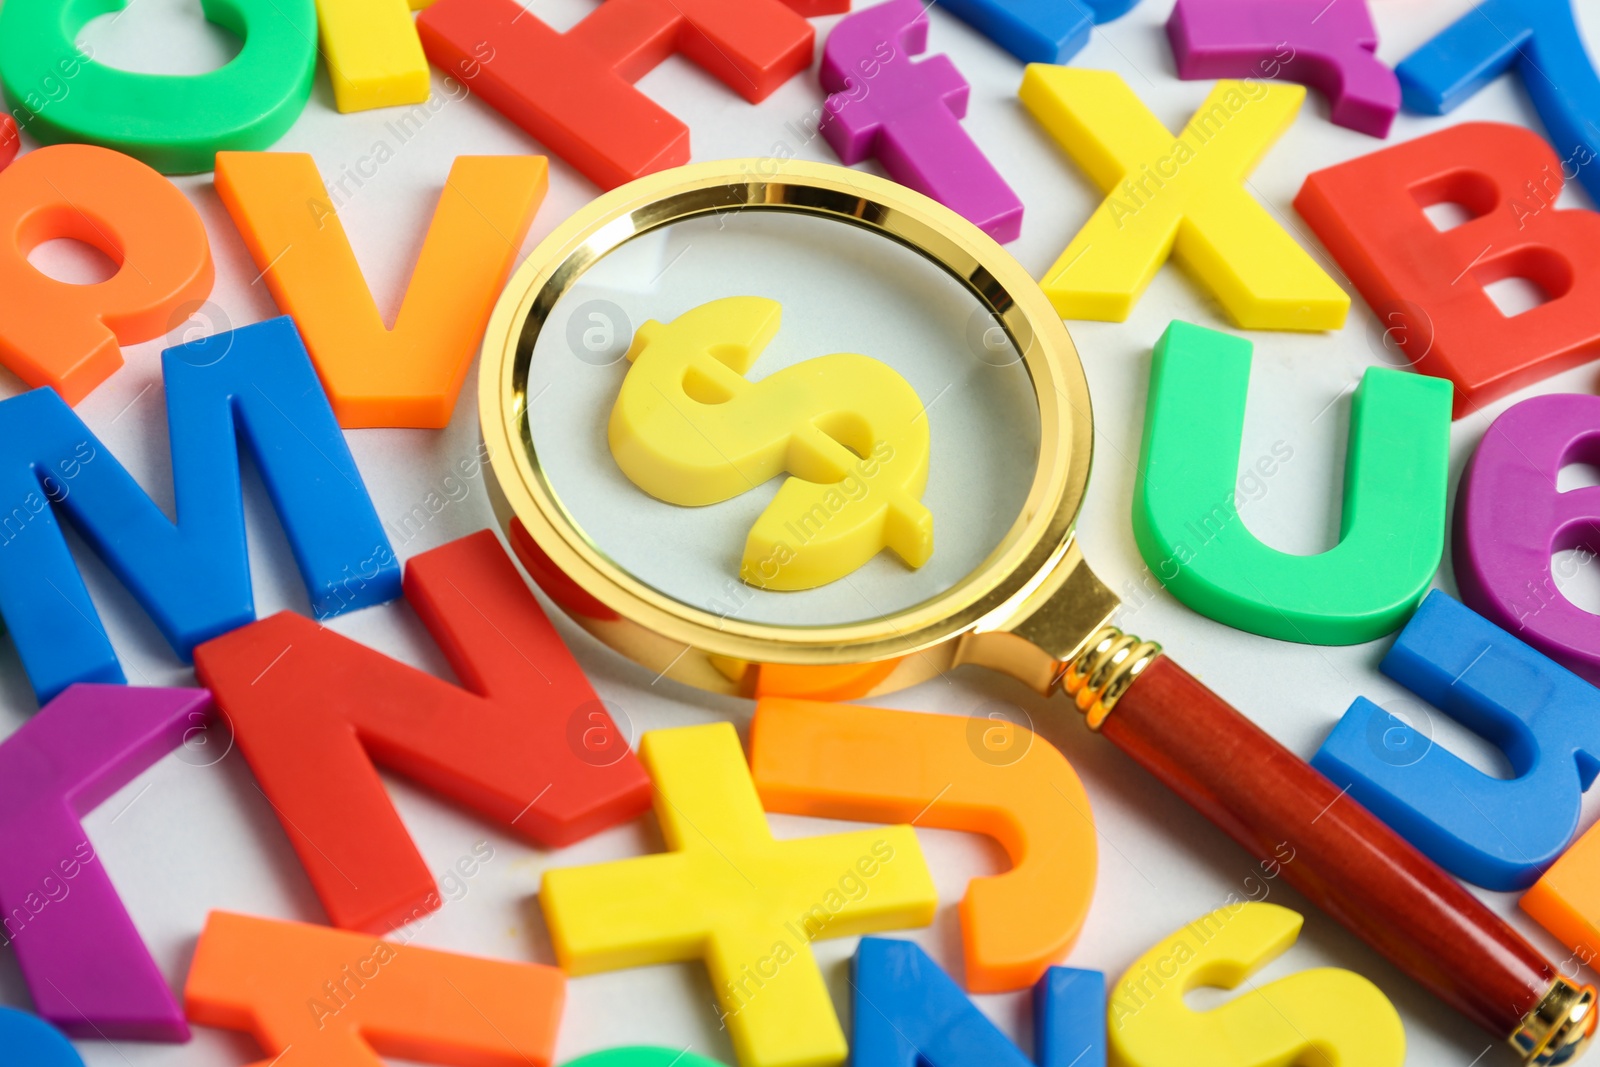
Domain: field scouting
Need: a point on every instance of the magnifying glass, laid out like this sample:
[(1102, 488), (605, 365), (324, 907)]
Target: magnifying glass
[(786, 262)]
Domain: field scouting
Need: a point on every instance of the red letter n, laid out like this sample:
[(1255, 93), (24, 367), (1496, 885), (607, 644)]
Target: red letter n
[(574, 91), (1427, 287), (526, 744)]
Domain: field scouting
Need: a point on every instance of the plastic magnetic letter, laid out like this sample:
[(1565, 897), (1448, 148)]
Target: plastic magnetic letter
[(1327, 1013), (1540, 40), (728, 893), (844, 761), (909, 1013), (1495, 832), (68, 336), (635, 1056), (526, 744), (1566, 899), (1069, 1018), (28, 1041), (1037, 31), (1427, 287), (175, 123), (1178, 196), (407, 376), (373, 56), (573, 91), (1511, 520), (252, 386), (1330, 47), (1186, 509), (9, 140), (84, 963), (907, 115), (689, 428), (341, 999)]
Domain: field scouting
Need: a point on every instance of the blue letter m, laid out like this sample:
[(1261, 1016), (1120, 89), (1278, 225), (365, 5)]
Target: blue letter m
[(254, 385)]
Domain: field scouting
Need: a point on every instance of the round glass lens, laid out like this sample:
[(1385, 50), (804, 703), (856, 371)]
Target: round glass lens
[(841, 289)]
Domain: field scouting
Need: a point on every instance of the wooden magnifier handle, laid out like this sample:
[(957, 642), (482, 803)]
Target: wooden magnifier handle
[(1346, 861)]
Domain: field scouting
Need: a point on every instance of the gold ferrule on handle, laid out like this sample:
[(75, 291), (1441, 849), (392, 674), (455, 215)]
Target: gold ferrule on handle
[(1560, 1026), (1097, 676)]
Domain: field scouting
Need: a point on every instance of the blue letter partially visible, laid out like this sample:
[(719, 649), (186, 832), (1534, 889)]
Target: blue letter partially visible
[(254, 386)]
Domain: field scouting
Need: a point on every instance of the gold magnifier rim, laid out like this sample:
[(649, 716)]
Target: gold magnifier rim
[(986, 599)]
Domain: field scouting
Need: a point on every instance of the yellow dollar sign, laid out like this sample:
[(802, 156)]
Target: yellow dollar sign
[(688, 428), (1324, 1016)]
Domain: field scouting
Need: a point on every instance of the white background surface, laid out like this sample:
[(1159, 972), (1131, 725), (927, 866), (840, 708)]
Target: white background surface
[(192, 835)]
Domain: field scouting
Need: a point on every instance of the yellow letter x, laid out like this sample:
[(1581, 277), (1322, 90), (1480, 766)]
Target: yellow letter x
[(730, 894), (1182, 195)]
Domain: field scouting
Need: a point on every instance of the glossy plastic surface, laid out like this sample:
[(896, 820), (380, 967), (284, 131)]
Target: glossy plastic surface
[(526, 744), (728, 893), (1500, 833), (1511, 520), (1178, 197), (1329, 47), (982, 775), (9, 140), (252, 386), (1542, 42), (372, 53), (28, 1041), (316, 997), (407, 375), (1038, 31), (689, 428), (1566, 898), (1186, 516), (907, 115), (1325, 1015), (642, 1056), (85, 965), (1346, 861), (574, 91), (909, 1013), (1427, 288), (175, 123), (69, 336)]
